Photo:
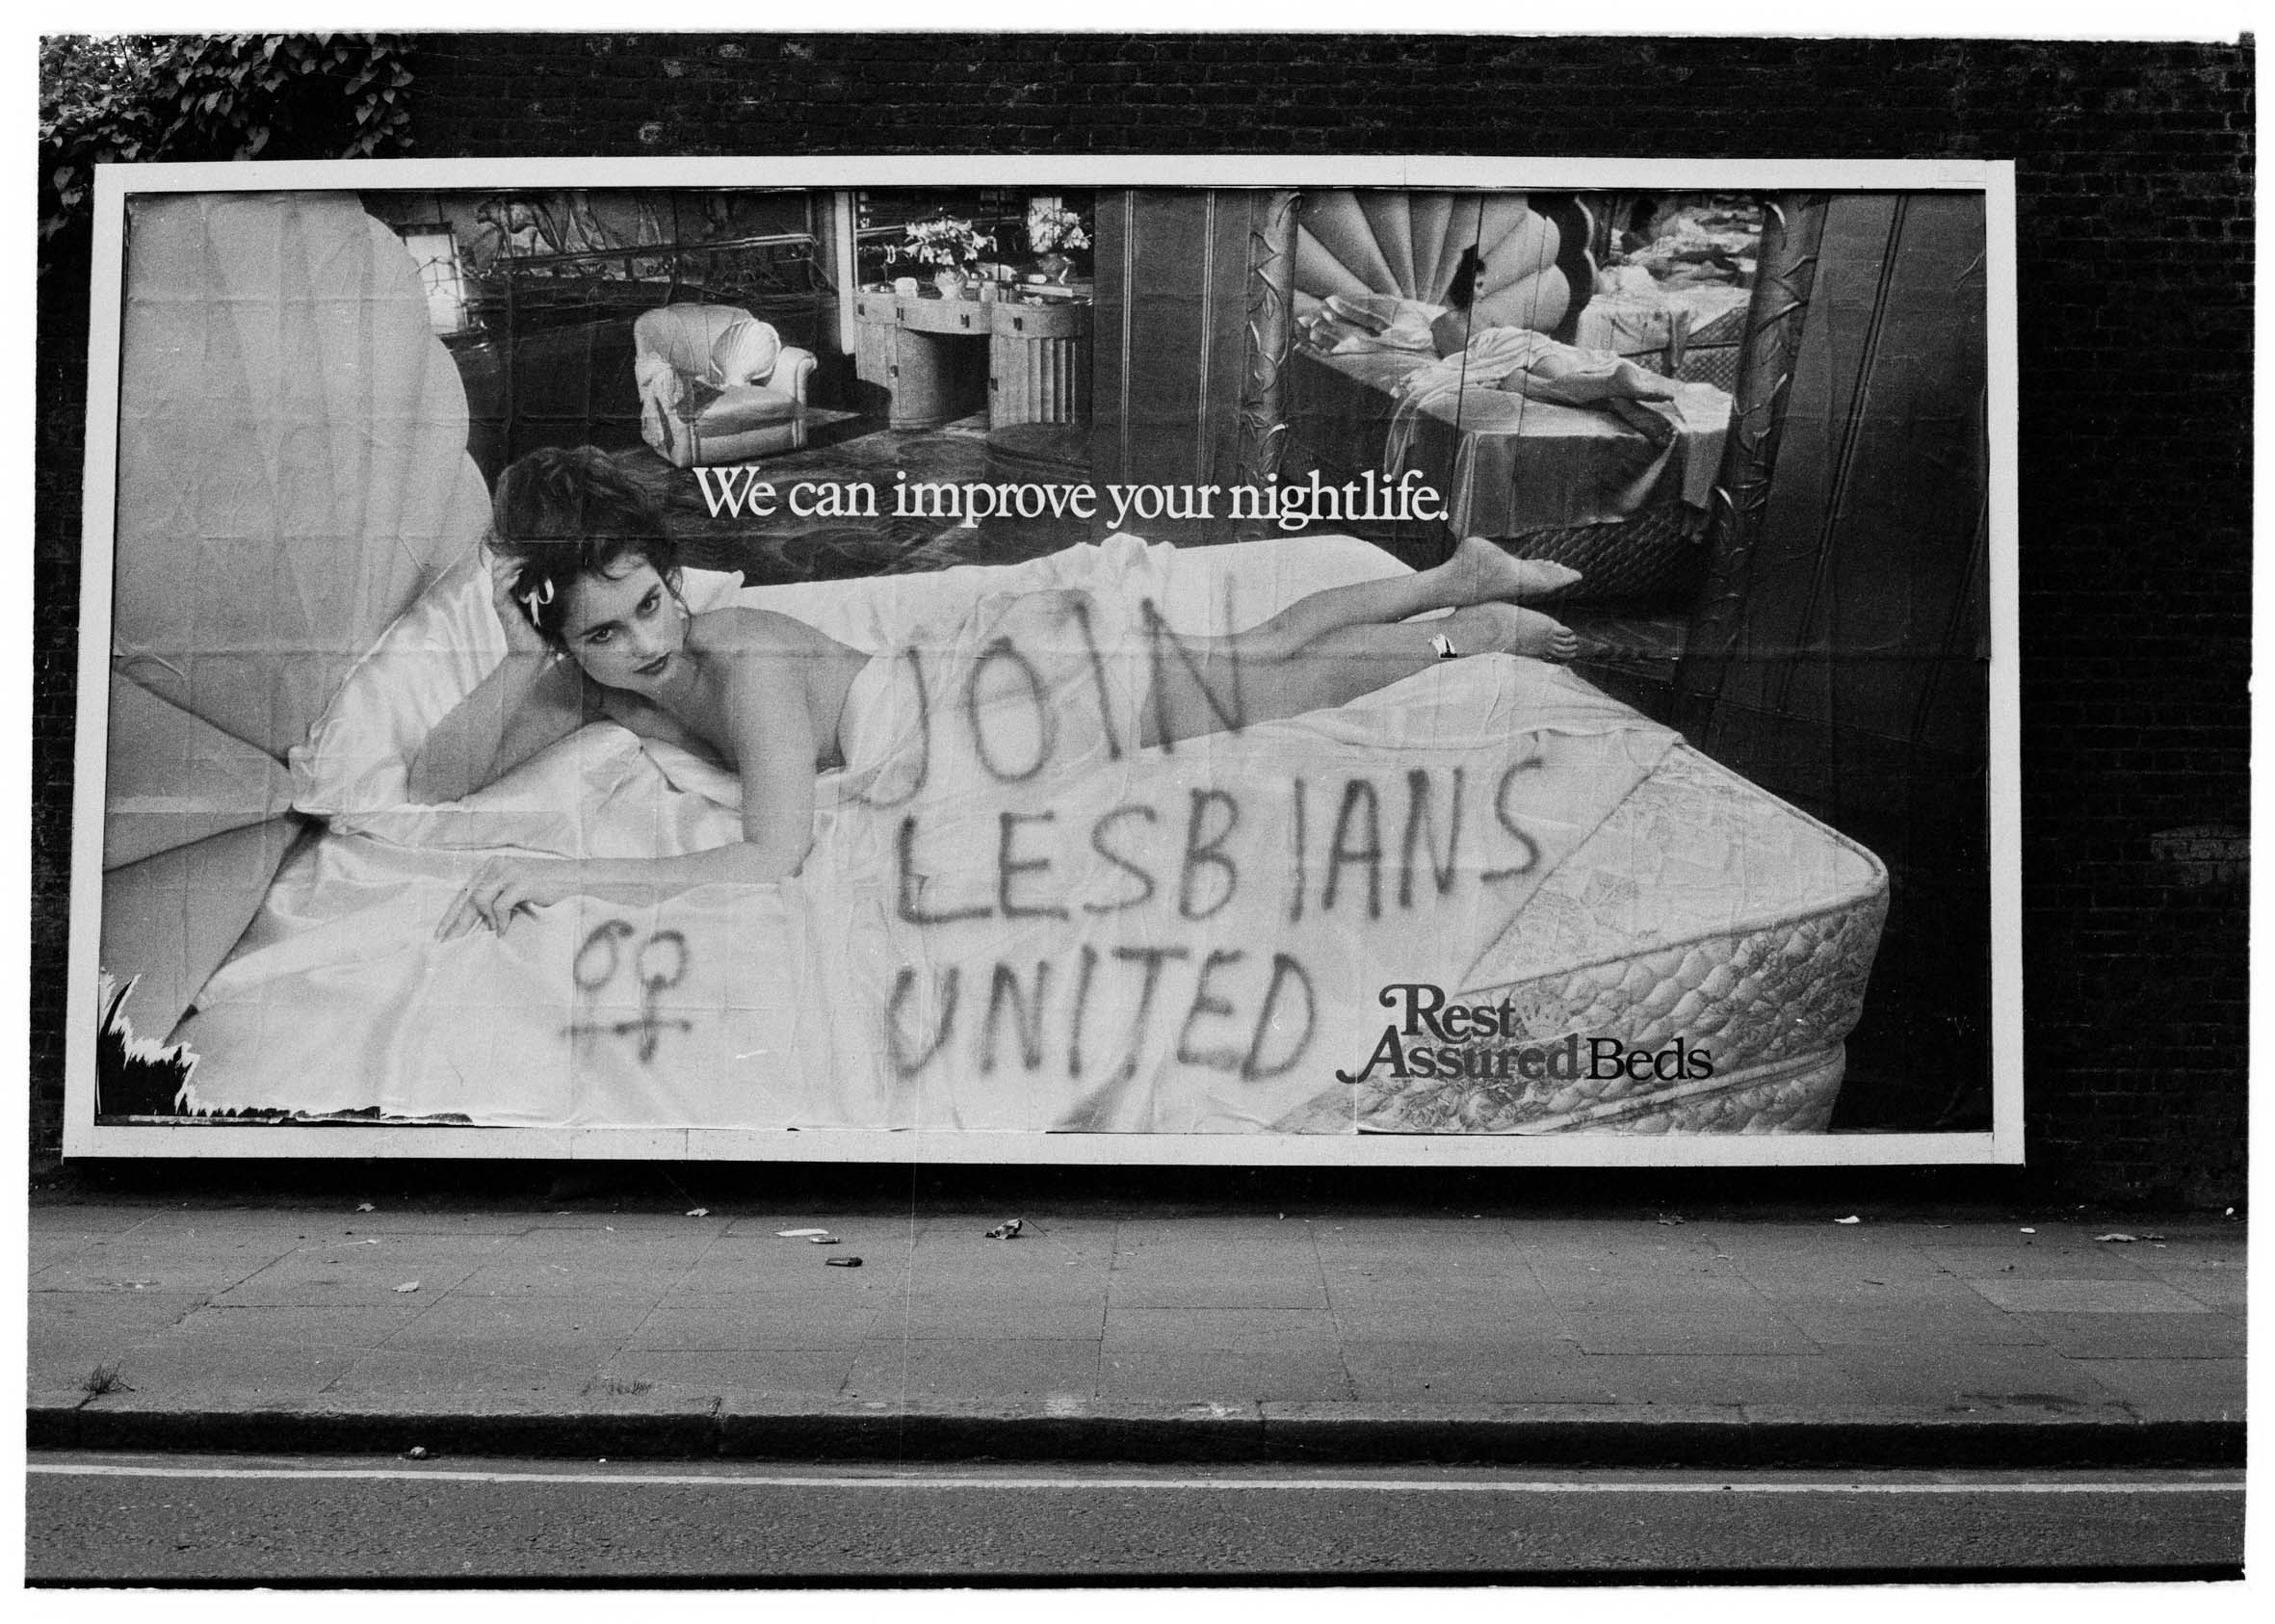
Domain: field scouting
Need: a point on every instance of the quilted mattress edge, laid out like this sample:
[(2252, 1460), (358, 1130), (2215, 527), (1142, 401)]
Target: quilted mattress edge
[(1767, 998)]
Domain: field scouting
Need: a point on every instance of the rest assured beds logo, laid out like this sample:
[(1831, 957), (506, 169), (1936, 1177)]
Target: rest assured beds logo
[(1456, 1040)]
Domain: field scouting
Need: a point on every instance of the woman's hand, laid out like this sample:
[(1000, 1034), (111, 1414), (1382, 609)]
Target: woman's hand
[(503, 886), (522, 635)]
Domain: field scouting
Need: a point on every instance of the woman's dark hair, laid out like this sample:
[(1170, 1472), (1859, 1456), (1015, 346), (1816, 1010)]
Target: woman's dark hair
[(568, 511), (1462, 291)]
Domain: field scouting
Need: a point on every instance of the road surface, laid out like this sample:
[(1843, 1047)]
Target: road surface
[(94, 1518)]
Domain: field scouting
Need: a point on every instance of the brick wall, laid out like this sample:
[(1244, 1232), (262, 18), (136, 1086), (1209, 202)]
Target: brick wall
[(2134, 229)]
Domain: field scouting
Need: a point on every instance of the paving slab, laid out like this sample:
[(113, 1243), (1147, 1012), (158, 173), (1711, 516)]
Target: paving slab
[(974, 1369), (2163, 1388), (1220, 1328), (450, 1377), (351, 1273), (184, 1264), (2190, 1252), (45, 1250), (1047, 1263), (1892, 1269), (741, 1265), (222, 1324), (576, 1263), (1733, 1328), (104, 1217), (331, 1221), (481, 1321), (2213, 1285), (96, 1315), (1415, 1371), (1640, 1266), (182, 1368), (1215, 1289), (1493, 1321), (1784, 1380), (2051, 1262), (1216, 1270), (1901, 1322), (740, 1376), (987, 1313), (2140, 1336), (701, 1324), (2102, 1296), (1944, 1378), (1250, 1374)]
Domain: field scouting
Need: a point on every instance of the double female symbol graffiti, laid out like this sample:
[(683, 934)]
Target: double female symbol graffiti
[(660, 963)]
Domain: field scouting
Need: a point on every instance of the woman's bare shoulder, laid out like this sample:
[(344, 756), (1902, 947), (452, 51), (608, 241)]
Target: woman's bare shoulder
[(738, 631)]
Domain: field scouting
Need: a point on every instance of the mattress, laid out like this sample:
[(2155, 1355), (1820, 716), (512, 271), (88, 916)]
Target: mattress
[(1691, 333), (1727, 329), (1566, 465), (1704, 915), (1572, 486)]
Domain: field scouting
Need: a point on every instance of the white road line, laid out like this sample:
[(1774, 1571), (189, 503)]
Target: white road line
[(1118, 1486)]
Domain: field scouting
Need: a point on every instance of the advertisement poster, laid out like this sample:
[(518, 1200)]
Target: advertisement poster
[(1334, 661)]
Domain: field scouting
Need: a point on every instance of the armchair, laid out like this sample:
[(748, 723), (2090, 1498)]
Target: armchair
[(717, 384)]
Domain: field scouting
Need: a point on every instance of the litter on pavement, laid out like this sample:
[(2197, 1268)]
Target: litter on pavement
[(1009, 1230), (842, 1262), (799, 1233)]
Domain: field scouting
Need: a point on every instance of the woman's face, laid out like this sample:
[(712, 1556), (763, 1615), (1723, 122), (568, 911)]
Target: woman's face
[(626, 629)]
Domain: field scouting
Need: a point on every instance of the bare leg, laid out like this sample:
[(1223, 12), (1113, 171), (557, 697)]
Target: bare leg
[(1335, 667), (1478, 572)]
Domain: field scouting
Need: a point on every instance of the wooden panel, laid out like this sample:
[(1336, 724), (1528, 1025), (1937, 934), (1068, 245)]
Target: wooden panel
[(1039, 364), (873, 342), (1115, 212), (1171, 335), (1865, 612), (1169, 354), (1849, 673)]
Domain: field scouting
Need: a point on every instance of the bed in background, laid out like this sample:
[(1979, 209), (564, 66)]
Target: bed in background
[(1692, 331), (1551, 480), (1006, 931)]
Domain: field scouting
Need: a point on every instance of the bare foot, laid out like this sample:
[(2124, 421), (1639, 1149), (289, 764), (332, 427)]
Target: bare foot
[(1479, 571), (1644, 385), (1506, 629)]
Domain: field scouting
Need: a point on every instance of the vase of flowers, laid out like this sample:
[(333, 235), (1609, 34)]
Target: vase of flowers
[(948, 246), (1052, 231)]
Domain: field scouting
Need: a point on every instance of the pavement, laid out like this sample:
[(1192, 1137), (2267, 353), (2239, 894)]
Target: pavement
[(1137, 1331)]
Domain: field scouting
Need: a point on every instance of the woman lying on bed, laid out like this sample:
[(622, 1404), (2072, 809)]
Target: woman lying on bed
[(586, 582)]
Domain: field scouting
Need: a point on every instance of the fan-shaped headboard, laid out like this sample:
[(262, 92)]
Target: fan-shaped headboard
[(1538, 271)]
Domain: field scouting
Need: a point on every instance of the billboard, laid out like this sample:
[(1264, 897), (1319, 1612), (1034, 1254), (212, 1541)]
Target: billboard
[(1341, 661)]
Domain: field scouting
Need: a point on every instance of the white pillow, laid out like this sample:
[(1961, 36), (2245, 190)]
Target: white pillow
[(357, 760), (744, 353)]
